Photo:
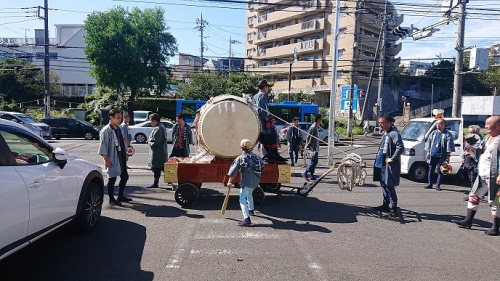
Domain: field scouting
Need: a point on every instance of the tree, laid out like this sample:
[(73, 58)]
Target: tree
[(103, 98), (21, 80), (444, 70), (204, 86), (129, 50)]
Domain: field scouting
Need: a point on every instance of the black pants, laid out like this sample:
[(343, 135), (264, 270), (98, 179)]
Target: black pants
[(157, 173), (121, 185), (178, 152)]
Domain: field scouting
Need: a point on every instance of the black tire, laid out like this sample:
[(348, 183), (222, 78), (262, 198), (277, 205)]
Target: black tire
[(88, 135), (258, 195), (90, 209), (141, 138), (418, 171), (186, 195)]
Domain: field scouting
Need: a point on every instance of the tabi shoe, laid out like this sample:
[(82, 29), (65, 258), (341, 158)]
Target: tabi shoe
[(382, 208), (251, 212), (304, 175), (245, 222), (394, 212), (494, 230), (467, 222), (153, 185), (313, 177), (438, 188), (124, 199), (429, 186), (112, 201)]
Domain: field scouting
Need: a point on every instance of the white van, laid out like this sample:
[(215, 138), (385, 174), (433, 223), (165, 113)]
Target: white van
[(414, 160), (141, 116)]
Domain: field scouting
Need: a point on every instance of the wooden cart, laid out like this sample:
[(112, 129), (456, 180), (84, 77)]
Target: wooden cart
[(190, 177)]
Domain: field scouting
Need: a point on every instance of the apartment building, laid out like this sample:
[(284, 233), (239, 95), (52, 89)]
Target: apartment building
[(275, 28), (188, 64)]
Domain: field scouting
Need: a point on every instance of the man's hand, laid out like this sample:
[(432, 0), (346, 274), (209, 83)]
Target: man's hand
[(498, 182), (107, 163), (428, 155), (388, 160), (230, 185)]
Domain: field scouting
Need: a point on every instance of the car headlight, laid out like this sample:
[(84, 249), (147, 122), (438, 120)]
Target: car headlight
[(409, 151)]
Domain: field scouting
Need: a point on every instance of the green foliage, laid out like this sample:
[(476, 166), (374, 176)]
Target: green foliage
[(129, 49), (23, 81), (298, 97), (12, 106), (443, 69), (204, 86), (38, 114), (340, 124), (103, 98)]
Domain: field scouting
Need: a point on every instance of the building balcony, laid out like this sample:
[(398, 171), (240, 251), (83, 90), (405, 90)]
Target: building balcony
[(284, 68), (368, 40), (299, 83), (296, 30), (303, 47), (288, 13), (371, 21), (266, 4), (394, 50)]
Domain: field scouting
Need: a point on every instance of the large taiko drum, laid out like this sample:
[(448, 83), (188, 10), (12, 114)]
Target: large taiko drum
[(224, 121)]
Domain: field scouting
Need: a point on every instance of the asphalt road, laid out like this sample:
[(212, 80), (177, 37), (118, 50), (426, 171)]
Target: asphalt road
[(330, 235)]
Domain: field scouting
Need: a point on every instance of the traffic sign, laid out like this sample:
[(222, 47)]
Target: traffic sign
[(346, 99)]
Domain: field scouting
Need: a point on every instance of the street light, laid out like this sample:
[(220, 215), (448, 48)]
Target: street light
[(231, 42)]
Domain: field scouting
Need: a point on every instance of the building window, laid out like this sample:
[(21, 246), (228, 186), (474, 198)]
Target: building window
[(250, 20), (250, 36), (248, 67), (340, 54), (186, 61), (249, 52), (342, 31)]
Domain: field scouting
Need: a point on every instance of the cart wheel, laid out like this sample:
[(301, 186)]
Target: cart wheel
[(186, 194), (258, 195)]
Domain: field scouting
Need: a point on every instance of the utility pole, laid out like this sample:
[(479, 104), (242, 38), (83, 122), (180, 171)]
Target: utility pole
[(231, 42), (333, 86), (432, 97), (200, 26), (354, 56), (46, 59), (382, 64), (459, 63)]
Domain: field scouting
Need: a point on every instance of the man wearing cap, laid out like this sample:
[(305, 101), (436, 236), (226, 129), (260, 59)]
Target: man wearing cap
[(260, 102), (250, 166), (439, 146)]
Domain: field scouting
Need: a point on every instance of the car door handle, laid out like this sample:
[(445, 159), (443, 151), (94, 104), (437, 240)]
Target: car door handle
[(35, 184)]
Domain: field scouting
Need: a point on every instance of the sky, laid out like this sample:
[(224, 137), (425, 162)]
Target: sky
[(227, 20)]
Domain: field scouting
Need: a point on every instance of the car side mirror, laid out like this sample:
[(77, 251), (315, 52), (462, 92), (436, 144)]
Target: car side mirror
[(60, 157)]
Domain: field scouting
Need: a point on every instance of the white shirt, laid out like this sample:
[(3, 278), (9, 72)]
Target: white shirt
[(484, 165)]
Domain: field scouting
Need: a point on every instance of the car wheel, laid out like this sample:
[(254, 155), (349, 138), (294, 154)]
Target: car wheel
[(140, 138), (418, 171), (88, 135), (90, 210)]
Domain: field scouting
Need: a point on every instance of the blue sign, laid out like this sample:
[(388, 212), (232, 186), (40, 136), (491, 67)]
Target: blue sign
[(346, 98)]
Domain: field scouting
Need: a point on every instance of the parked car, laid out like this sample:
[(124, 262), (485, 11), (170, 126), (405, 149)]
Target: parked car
[(42, 189), (141, 116), (304, 126), (39, 128), (64, 127), (141, 131)]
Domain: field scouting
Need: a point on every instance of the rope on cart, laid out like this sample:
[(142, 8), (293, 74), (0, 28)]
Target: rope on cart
[(351, 172)]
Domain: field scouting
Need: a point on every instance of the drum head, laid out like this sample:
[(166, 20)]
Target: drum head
[(224, 124)]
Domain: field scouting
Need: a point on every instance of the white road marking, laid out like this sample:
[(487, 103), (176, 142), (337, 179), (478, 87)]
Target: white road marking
[(236, 235), (182, 242)]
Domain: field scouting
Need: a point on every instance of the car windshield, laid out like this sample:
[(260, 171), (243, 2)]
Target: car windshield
[(86, 123), (25, 118), (415, 130), (140, 115)]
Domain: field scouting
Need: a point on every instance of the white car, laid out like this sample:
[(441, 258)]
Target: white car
[(140, 132), (42, 189)]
